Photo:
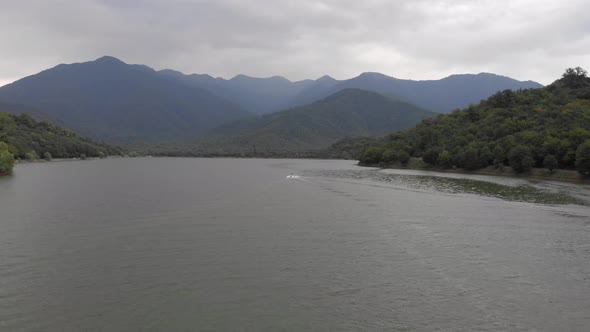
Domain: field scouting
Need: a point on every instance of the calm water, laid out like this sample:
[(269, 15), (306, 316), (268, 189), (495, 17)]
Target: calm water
[(232, 245)]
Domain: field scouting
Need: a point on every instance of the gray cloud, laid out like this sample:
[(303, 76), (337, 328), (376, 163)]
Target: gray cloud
[(419, 39)]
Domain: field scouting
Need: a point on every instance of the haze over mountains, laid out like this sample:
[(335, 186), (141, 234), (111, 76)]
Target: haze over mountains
[(265, 95), (347, 113), (110, 100)]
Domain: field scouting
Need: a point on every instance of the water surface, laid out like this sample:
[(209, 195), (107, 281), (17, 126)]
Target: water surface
[(155, 244)]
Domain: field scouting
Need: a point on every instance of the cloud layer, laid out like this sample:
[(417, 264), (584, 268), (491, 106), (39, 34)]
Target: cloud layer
[(298, 39)]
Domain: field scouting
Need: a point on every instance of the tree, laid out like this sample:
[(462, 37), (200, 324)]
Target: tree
[(583, 158), (6, 159), (486, 156), (575, 72), (388, 156), (470, 160), (520, 159), (444, 159), (403, 157), (47, 156), (430, 156), (101, 155), (528, 162), (372, 155), (31, 155), (550, 162), (574, 77), (499, 157), (83, 156)]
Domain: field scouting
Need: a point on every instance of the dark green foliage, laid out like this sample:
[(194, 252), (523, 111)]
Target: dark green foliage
[(403, 157), (389, 156), (550, 162), (372, 155), (31, 155), (499, 155), (431, 156), (470, 160), (520, 159), (575, 77), (444, 159), (83, 156), (549, 121), (6, 159), (486, 156), (29, 139), (348, 148), (47, 156), (583, 158)]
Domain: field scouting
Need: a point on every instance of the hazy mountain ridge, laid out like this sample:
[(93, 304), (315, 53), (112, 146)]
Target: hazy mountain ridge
[(441, 96), (109, 99), (266, 95), (350, 112), (257, 95)]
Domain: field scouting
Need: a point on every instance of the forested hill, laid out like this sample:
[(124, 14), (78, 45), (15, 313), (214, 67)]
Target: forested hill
[(30, 139), (349, 112), (537, 127)]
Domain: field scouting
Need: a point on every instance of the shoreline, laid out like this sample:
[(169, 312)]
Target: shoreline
[(561, 175), (569, 176), (35, 161)]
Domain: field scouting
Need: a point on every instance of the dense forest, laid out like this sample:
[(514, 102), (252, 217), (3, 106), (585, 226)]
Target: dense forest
[(21, 137), (547, 127)]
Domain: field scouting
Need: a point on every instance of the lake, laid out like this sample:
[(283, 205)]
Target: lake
[(174, 244)]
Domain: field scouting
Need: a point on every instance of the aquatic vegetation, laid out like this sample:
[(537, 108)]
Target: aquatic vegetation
[(520, 193)]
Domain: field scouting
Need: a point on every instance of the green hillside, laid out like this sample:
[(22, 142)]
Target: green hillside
[(347, 113), (29, 139), (547, 127)]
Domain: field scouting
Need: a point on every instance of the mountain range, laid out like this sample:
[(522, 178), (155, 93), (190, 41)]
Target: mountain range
[(267, 95), (110, 100), (347, 113)]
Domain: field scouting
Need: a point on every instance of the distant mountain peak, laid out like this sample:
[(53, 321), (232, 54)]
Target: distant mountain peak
[(239, 77), (493, 76), (374, 75), (170, 71), (280, 78), (326, 78), (108, 59), (242, 77)]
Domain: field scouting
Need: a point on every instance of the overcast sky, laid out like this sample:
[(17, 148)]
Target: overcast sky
[(417, 39)]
